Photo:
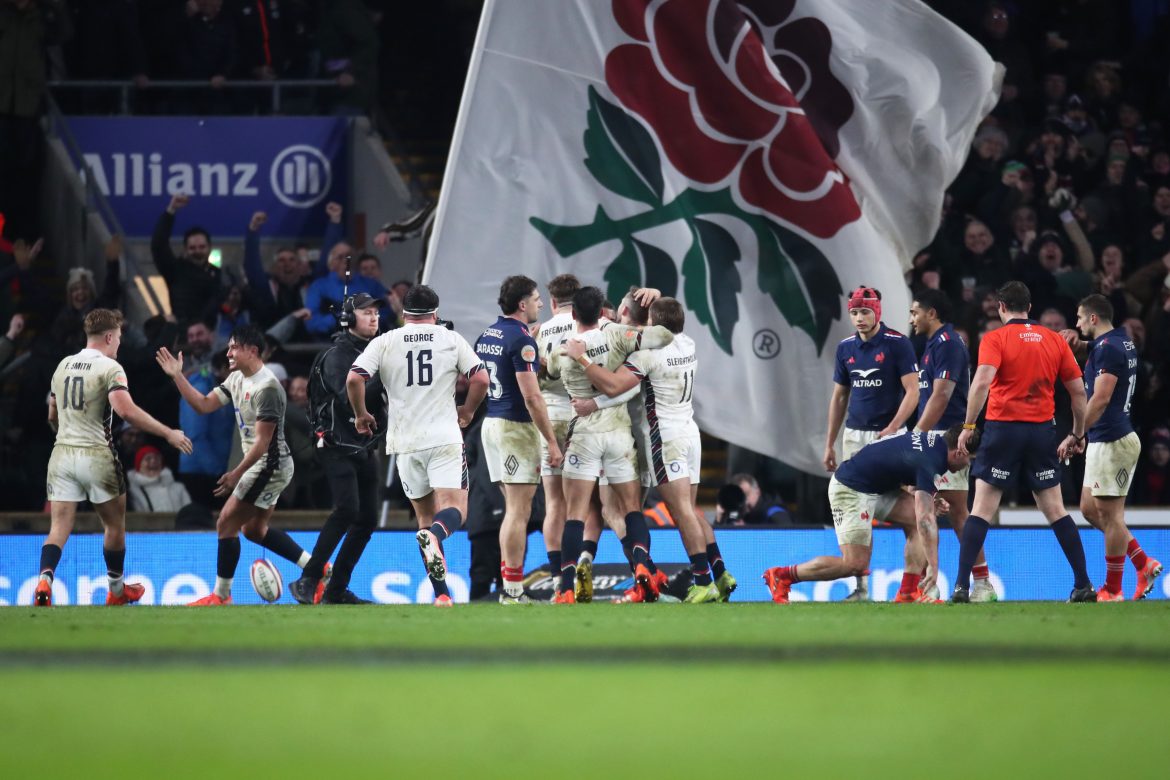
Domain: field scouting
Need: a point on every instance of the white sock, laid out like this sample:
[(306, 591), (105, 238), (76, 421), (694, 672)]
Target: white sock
[(585, 557), (115, 585), (223, 587), (303, 561), (514, 589)]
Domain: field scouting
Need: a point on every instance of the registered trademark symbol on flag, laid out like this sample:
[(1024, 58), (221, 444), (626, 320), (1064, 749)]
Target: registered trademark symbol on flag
[(766, 344)]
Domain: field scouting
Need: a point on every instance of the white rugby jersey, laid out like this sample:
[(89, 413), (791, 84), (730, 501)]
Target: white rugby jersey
[(608, 347), (81, 386), (419, 365), (668, 386), (549, 338), (255, 398)]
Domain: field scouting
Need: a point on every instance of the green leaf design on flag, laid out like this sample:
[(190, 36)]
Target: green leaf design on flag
[(640, 265), (800, 280), (624, 272), (659, 268), (621, 153), (711, 281)]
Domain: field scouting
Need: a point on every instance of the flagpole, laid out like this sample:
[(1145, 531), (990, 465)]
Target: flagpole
[(457, 136)]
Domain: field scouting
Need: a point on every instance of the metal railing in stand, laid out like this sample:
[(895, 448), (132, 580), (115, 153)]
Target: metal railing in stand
[(95, 200), (127, 89)]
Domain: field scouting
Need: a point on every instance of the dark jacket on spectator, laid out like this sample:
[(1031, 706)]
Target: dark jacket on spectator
[(24, 34), (191, 286), (208, 47)]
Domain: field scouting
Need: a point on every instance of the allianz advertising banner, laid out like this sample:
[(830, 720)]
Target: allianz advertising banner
[(230, 166), (177, 568)]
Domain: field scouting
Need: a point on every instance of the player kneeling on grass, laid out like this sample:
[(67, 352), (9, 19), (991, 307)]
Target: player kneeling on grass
[(87, 388), (855, 492), (258, 480)]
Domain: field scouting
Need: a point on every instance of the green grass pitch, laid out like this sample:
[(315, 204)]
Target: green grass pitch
[(725, 691)]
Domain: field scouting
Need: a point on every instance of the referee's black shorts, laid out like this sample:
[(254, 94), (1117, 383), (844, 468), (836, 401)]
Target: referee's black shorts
[(1011, 450)]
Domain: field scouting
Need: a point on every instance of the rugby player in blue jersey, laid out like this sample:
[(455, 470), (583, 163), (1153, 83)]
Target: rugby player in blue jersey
[(875, 387), (1114, 447), (858, 490), (516, 420), (944, 376)]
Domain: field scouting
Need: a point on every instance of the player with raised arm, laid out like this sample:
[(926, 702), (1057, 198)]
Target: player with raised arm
[(1114, 447), (419, 364), (872, 477), (516, 422), (1019, 365), (87, 390), (549, 338), (256, 483), (944, 376), (875, 387), (602, 441), (666, 377)]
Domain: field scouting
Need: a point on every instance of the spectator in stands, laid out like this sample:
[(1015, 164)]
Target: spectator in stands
[(210, 434), (23, 288), (349, 51), (370, 266), (750, 505), (27, 29), (152, 486), (307, 489), (1054, 320), (81, 297), (108, 45), (1151, 484), (229, 312), (280, 292), (326, 295), (192, 280), (207, 51), (200, 346), (8, 342)]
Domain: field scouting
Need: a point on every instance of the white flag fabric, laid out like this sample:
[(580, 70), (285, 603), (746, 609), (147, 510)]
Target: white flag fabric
[(755, 159)]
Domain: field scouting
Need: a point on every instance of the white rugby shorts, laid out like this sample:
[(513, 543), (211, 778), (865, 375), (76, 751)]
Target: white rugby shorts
[(1109, 465), (512, 451), (422, 471), (78, 474), (590, 454), (560, 430), (679, 459), (853, 513), (262, 485)]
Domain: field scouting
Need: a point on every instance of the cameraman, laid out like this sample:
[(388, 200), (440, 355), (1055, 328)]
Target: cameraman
[(348, 457), (741, 502)]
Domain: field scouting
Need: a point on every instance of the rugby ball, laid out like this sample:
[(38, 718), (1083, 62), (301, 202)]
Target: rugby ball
[(266, 580)]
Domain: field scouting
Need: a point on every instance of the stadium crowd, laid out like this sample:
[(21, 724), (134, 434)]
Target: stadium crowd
[(1067, 188)]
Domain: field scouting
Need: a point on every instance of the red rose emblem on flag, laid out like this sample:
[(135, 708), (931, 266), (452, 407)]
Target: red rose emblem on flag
[(702, 77)]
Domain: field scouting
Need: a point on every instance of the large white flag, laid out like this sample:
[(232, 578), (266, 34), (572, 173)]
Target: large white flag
[(755, 159)]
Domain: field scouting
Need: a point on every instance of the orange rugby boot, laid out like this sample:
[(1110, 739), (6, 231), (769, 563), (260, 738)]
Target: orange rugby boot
[(1146, 576), (444, 601), (321, 583), (647, 583), (908, 598), (211, 600), (43, 595), (566, 597), (778, 584), (1104, 594), (131, 593)]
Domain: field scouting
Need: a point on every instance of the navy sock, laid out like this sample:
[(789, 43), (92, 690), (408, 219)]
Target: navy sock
[(1070, 541), (716, 559), (571, 542), (974, 533), (446, 524), (227, 557), (115, 562), (50, 558), (628, 550), (282, 544), (701, 568), (554, 563), (589, 546), (639, 535)]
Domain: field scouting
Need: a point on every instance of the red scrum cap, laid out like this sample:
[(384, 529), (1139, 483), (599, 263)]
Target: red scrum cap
[(866, 298)]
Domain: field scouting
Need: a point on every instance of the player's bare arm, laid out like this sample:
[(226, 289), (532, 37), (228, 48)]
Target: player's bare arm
[(1079, 347), (906, 408), (355, 389), (838, 403), (53, 413), (265, 430), (132, 413), (538, 411), (976, 398), (936, 405), (476, 392), (172, 366), (927, 532), (1075, 442)]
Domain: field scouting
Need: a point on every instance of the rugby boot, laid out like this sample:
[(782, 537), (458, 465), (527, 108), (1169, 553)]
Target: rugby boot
[(305, 590), (961, 595), (631, 596), (726, 585), (131, 593), (929, 596), (647, 583), (1085, 595), (434, 560), (565, 597), (661, 581), (584, 584), (861, 592), (43, 595), (1146, 576), (345, 597), (983, 592), (908, 598), (702, 594), (1104, 594), (444, 600), (506, 598), (778, 585), (325, 577), (210, 600)]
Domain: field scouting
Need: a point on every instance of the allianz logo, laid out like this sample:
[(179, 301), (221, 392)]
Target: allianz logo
[(300, 176)]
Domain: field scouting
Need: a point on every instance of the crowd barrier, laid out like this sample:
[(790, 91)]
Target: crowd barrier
[(1026, 564)]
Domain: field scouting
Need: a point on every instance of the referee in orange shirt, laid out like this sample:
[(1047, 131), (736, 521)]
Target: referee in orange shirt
[(1018, 368)]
